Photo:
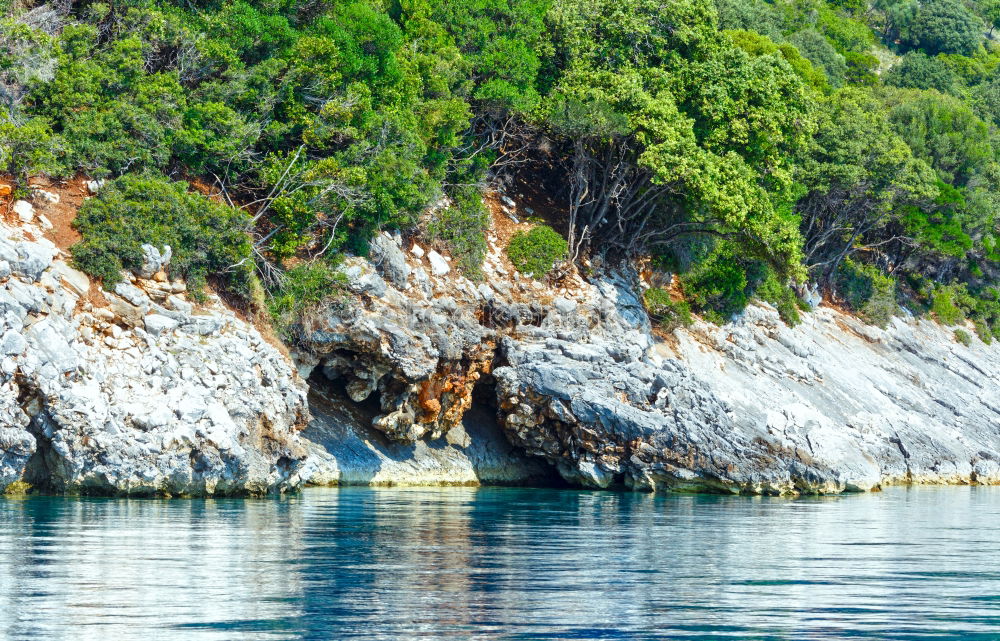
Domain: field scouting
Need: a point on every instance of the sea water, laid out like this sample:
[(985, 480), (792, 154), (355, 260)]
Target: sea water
[(463, 563)]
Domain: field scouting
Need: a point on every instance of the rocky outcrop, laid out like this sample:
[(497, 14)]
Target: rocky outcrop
[(345, 450), (755, 406), (416, 349), (582, 382), (139, 391), (422, 376)]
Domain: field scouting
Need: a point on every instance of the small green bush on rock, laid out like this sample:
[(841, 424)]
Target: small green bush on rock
[(304, 287), (207, 238), (461, 228), (719, 285), (983, 331), (963, 337), (535, 252), (944, 305), (868, 292), (665, 312), (782, 297)]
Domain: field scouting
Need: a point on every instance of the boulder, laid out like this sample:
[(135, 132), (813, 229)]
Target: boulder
[(439, 266), (390, 260), (156, 324), (73, 279), (33, 258), (24, 210), (154, 260)]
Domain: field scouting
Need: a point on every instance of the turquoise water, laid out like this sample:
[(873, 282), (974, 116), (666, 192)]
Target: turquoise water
[(459, 563)]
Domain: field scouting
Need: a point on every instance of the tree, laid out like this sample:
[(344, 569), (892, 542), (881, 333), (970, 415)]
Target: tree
[(657, 156), (990, 11), (818, 50), (756, 44), (858, 175), (919, 71), (943, 131), (943, 26), (26, 60)]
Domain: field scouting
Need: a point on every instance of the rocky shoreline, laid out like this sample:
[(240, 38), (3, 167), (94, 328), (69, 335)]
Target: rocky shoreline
[(428, 378), (578, 379), (139, 391)]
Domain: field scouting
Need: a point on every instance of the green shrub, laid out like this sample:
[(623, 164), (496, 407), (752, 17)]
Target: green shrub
[(665, 312), (536, 252), (867, 291), (944, 305), (963, 337), (983, 331), (719, 285), (782, 297), (29, 149), (206, 238), (461, 229), (304, 287)]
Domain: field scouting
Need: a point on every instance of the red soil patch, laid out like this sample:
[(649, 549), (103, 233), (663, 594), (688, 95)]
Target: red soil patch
[(71, 194), (502, 226)]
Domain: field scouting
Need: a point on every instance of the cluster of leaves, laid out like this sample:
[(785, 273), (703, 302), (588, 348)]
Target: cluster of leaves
[(536, 251)]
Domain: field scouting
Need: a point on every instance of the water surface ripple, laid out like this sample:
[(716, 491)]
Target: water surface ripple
[(512, 564)]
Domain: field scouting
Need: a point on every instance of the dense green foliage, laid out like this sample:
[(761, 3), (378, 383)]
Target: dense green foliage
[(749, 145), (665, 312), (536, 251), (867, 291), (205, 237)]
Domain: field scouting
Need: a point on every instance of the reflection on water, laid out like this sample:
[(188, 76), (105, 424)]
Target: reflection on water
[(503, 564)]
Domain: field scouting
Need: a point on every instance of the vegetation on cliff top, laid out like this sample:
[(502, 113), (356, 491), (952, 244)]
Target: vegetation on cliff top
[(747, 145)]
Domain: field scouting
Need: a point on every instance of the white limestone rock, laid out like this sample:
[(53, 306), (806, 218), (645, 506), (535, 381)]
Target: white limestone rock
[(439, 266), (25, 211), (154, 260), (46, 196), (91, 401), (73, 279), (157, 324)]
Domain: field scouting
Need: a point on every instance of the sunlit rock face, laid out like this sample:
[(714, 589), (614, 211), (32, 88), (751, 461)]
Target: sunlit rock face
[(136, 391), (579, 380), (755, 406)]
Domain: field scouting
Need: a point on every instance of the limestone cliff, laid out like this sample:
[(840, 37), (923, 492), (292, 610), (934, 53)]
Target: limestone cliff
[(139, 391), (577, 378), (426, 377)]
